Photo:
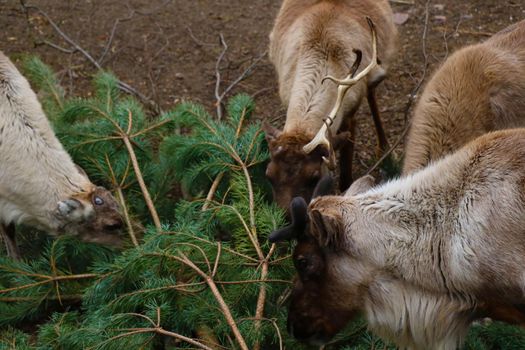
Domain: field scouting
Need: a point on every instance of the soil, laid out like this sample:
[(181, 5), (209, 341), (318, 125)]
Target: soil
[(168, 50)]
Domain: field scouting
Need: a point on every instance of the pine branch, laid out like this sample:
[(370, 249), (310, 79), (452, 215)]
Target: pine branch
[(123, 205), (140, 178), (156, 328), (224, 307), (49, 279)]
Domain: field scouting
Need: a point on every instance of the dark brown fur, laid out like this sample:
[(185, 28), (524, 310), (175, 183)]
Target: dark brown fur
[(311, 318), (104, 226), (291, 171)]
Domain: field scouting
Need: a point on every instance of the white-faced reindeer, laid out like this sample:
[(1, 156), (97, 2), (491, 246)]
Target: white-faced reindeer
[(418, 256), (313, 39), (39, 183), (480, 88)]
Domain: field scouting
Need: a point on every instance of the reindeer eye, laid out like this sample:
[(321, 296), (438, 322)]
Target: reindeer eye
[(98, 201), (302, 263)]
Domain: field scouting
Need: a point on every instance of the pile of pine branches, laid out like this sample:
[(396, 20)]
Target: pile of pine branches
[(198, 271)]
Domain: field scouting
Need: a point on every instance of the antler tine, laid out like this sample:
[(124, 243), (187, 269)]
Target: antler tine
[(355, 66), (320, 138), (344, 84), (350, 79)]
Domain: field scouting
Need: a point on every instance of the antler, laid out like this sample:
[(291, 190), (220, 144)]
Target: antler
[(321, 137)]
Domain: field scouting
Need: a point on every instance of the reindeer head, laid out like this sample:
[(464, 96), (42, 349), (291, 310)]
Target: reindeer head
[(93, 216), (291, 171), (330, 284)]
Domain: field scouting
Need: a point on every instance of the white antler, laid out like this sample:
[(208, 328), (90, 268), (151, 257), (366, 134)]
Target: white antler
[(320, 138)]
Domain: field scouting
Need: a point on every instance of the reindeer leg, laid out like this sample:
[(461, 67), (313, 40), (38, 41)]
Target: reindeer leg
[(382, 141), (346, 155), (8, 235)]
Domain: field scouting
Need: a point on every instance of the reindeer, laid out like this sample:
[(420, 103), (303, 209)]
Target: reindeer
[(477, 90), (480, 88), (311, 39), (419, 255), (39, 184)]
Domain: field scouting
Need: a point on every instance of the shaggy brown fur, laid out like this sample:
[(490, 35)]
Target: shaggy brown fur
[(480, 88)]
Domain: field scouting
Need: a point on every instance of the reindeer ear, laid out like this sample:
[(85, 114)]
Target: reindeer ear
[(361, 185), (324, 187), (327, 227), (80, 170), (298, 211), (271, 132), (74, 210)]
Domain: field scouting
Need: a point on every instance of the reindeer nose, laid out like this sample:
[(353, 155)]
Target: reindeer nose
[(113, 226)]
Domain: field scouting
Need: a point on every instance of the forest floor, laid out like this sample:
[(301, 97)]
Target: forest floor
[(168, 50)]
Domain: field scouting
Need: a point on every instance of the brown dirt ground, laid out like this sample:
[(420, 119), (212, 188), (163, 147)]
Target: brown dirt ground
[(168, 49)]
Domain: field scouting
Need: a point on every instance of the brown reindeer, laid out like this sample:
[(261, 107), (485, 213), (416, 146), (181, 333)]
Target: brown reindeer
[(421, 256), (480, 88), (310, 40)]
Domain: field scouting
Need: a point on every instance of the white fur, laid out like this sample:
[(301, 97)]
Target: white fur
[(36, 172), (429, 247)]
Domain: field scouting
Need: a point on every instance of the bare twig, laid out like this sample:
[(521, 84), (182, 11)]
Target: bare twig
[(404, 2), (219, 97), (112, 36), (197, 41), (72, 297), (122, 85), (390, 150), (131, 232), (259, 309), (158, 330), (130, 16), (215, 291), (212, 190), (467, 32), (120, 196), (50, 279), (218, 76), (140, 178), (55, 46), (244, 74)]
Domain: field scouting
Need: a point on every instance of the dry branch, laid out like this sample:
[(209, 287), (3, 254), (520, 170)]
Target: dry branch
[(217, 294), (120, 196), (467, 32), (76, 47), (218, 95), (50, 279), (140, 178), (156, 328)]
